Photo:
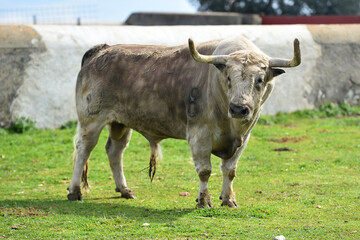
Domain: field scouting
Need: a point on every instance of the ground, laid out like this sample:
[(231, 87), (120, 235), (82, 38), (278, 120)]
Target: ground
[(298, 177)]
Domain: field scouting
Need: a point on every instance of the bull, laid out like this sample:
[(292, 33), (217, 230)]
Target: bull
[(161, 92)]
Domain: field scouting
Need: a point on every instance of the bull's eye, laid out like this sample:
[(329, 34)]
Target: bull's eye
[(229, 81)]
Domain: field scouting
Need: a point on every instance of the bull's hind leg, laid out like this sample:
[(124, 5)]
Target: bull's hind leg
[(88, 136), (119, 137)]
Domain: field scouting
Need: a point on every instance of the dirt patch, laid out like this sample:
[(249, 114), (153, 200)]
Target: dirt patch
[(288, 139), (23, 212), (291, 125), (284, 149), (184, 194)]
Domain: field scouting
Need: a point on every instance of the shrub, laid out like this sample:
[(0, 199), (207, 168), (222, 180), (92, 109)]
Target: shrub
[(327, 110), (69, 125), (21, 125)]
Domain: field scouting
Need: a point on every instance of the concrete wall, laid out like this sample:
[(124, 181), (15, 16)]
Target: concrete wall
[(199, 18), (39, 64)]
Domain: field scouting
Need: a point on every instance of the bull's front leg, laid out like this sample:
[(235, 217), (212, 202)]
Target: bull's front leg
[(228, 168), (201, 150)]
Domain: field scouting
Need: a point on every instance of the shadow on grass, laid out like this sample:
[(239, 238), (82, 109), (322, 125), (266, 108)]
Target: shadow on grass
[(89, 208), (125, 209)]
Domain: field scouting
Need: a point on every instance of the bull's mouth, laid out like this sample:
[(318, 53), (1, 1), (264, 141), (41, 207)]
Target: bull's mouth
[(245, 121)]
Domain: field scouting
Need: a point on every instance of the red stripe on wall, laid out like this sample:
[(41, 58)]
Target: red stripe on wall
[(268, 20)]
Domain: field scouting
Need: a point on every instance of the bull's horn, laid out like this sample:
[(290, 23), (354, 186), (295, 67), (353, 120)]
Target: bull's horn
[(277, 62), (216, 59)]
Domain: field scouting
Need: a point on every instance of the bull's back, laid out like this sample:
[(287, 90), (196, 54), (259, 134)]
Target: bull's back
[(146, 88)]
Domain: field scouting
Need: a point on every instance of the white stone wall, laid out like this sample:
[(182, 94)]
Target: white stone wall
[(47, 93)]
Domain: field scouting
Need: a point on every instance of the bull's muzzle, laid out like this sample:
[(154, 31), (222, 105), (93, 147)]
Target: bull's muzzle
[(240, 111)]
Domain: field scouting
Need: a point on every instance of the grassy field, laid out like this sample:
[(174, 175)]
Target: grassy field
[(298, 177)]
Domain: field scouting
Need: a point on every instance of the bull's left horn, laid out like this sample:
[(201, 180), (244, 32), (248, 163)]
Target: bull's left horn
[(217, 59), (277, 62)]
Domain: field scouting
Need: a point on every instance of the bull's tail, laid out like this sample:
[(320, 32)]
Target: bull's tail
[(155, 157), (85, 183)]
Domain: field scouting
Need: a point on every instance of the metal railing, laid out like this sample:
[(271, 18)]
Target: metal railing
[(71, 14)]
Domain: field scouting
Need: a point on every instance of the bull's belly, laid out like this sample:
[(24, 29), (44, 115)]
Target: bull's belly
[(162, 132), (153, 125)]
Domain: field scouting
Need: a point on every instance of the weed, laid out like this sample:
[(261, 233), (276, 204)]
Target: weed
[(69, 125), (21, 125), (343, 109)]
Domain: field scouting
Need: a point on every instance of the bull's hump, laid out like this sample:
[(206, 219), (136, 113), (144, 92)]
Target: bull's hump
[(133, 49), (139, 47), (205, 48)]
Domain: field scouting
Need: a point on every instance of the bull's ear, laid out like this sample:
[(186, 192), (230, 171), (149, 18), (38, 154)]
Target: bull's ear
[(220, 66), (277, 71)]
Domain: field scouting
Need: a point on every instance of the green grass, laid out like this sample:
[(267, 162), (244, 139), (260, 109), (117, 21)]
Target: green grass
[(310, 192)]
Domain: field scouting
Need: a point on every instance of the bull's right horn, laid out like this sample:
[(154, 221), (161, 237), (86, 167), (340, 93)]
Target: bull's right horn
[(216, 59)]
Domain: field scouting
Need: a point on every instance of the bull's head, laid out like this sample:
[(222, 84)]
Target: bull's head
[(245, 75)]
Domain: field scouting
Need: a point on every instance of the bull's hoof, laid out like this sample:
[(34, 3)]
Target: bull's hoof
[(206, 205), (230, 203), (76, 196), (126, 193), (204, 201)]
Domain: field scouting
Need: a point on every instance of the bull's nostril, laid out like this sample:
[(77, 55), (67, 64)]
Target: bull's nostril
[(239, 110), (232, 111)]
